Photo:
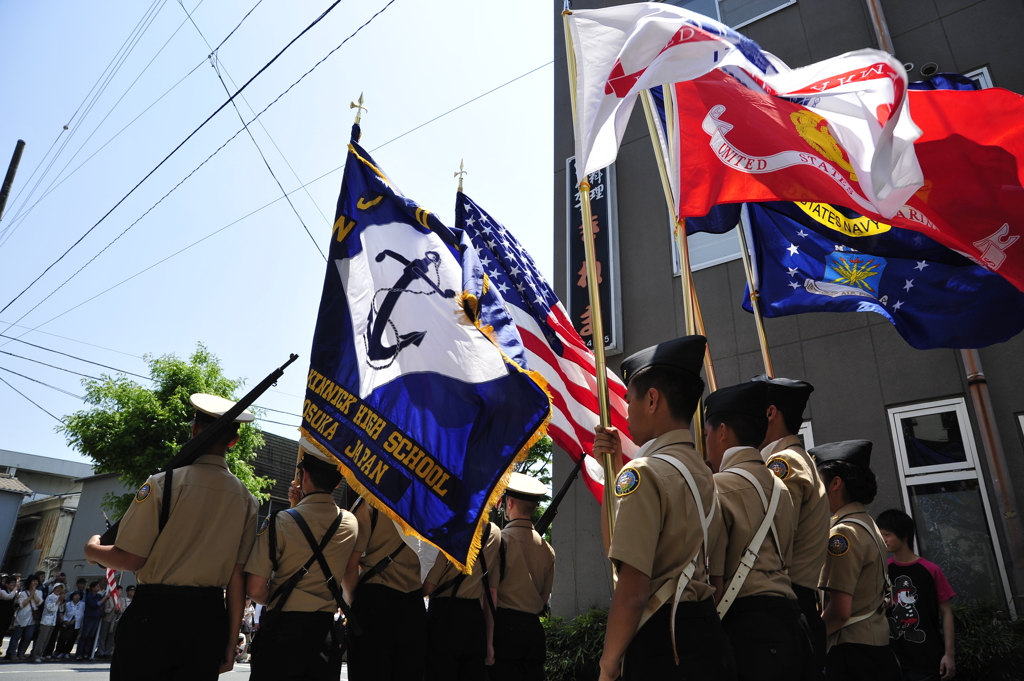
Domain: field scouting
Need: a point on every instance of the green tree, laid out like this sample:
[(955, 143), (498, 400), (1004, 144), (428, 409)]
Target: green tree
[(133, 430)]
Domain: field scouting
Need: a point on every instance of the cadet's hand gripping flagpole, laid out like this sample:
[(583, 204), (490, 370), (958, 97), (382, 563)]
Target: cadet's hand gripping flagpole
[(596, 322)]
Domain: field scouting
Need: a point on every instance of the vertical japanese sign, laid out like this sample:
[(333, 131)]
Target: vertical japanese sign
[(604, 225)]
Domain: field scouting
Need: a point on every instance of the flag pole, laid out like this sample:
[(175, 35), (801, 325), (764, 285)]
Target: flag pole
[(755, 293), (596, 322), (691, 306), (461, 173)]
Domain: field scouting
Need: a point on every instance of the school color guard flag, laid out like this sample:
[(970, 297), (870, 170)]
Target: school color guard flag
[(417, 382)]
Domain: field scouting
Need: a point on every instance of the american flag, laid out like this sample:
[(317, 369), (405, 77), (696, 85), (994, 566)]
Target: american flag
[(111, 583), (553, 347)]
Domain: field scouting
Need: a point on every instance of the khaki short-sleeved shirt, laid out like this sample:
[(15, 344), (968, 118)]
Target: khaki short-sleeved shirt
[(529, 568), (377, 541), (311, 594), (657, 527), (854, 565), (472, 586), (791, 462), (211, 526), (742, 513)]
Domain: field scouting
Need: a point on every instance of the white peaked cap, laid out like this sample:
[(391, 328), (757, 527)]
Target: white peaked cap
[(214, 406), (526, 488)]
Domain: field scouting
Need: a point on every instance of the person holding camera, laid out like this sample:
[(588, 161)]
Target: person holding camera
[(48, 622), (8, 594), (29, 599)]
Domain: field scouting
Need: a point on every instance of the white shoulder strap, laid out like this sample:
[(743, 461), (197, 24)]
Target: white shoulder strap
[(662, 595), (776, 483), (749, 556), (887, 585)]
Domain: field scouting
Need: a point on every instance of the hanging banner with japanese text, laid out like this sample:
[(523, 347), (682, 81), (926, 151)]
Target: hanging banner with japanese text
[(604, 223)]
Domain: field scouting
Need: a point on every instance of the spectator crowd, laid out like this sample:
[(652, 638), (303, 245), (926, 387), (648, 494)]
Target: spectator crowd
[(49, 621)]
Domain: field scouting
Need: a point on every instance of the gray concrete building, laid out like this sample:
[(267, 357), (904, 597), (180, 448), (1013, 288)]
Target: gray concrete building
[(869, 382)]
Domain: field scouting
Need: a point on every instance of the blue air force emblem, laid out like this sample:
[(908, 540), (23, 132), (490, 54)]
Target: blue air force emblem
[(849, 274), (627, 482)]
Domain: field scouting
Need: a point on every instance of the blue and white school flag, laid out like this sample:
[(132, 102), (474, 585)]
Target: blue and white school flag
[(815, 257), (413, 383)]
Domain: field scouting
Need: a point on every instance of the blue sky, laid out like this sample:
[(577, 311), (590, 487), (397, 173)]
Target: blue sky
[(250, 291)]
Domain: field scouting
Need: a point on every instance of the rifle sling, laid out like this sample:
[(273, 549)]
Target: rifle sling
[(165, 503)]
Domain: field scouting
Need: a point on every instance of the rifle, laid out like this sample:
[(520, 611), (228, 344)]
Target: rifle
[(552, 510), (198, 445)]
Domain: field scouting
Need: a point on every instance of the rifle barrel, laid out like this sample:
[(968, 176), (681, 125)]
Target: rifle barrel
[(552, 509)]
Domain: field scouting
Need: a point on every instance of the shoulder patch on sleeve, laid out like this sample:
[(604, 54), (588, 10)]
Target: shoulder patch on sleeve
[(143, 492), (627, 482), (779, 466), (838, 544), (264, 526)]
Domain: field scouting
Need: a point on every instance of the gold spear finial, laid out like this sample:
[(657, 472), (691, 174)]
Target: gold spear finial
[(462, 171), (358, 106)]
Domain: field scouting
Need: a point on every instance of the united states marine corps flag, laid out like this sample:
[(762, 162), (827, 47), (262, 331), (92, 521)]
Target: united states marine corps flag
[(417, 382)]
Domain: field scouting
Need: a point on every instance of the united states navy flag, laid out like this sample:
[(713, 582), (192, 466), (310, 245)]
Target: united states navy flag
[(818, 258), (414, 384)]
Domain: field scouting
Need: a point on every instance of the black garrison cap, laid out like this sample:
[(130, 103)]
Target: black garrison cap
[(789, 395), (686, 354), (749, 400), (854, 451)]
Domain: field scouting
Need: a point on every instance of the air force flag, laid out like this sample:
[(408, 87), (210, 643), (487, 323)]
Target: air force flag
[(417, 382)]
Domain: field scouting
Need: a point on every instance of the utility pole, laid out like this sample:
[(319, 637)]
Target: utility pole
[(5, 190)]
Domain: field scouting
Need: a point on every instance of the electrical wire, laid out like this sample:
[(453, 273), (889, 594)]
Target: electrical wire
[(52, 366), (84, 100), (80, 359), (215, 63), (53, 387), (267, 205), (29, 329), (221, 43), (38, 406), (184, 141), (54, 183), (121, 371), (120, 58)]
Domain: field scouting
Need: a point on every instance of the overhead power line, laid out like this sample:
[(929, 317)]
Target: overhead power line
[(34, 380), (80, 359), (38, 406), (182, 143), (270, 203), (52, 366)]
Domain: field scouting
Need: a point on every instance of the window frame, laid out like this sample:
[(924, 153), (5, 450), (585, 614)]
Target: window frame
[(924, 475), (983, 75)]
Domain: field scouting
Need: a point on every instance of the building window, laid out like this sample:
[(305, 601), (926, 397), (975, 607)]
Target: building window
[(733, 13), (981, 76), (945, 494)]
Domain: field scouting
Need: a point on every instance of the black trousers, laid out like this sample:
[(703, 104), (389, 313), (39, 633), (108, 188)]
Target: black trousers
[(171, 633), (393, 644), (770, 640), (456, 640), (704, 650), (296, 645), (519, 647), (807, 598), (857, 661)]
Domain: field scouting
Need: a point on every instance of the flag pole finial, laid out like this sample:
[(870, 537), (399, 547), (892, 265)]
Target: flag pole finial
[(461, 172), (358, 106)]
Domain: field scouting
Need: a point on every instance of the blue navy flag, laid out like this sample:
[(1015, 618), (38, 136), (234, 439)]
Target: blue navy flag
[(819, 258), (414, 384)]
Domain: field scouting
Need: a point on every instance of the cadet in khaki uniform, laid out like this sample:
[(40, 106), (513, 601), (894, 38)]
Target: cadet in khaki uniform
[(659, 540), (296, 639), (177, 626), (460, 620), (854, 576), (786, 457), (527, 573), (384, 578), (755, 598)]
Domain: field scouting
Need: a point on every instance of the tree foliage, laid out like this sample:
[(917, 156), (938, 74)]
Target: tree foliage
[(133, 430)]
